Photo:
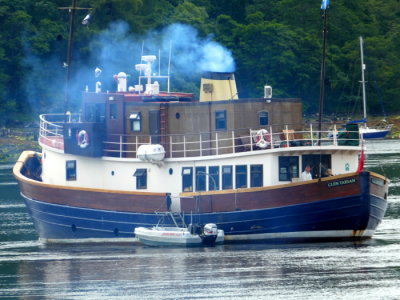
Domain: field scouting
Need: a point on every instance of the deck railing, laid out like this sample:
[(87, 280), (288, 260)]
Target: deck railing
[(208, 143)]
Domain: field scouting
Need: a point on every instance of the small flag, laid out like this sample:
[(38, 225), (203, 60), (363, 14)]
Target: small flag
[(361, 161), (325, 4), (85, 21)]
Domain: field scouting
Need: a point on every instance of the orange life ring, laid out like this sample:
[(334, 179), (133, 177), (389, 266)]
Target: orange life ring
[(82, 138)]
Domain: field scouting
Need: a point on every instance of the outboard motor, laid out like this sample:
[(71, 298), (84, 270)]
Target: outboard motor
[(209, 234)]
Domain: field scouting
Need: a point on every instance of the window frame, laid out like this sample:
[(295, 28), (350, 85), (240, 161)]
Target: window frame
[(288, 166), (220, 120), (256, 175), (201, 183), (187, 177), (227, 178), (260, 117), (241, 176), (135, 120), (113, 111), (70, 172), (141, 179), (213, 178)]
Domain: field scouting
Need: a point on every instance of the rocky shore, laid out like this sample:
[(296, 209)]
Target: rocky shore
[(15, 140)]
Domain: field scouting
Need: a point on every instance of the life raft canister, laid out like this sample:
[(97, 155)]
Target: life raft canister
[(82, 138), (263, 138)]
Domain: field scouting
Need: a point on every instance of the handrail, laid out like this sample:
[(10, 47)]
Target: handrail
[(205, 143)]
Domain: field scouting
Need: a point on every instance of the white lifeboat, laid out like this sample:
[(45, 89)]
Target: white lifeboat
[(151, 153)]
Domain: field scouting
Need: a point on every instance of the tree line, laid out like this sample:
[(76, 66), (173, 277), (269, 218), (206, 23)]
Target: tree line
[(274, 42)]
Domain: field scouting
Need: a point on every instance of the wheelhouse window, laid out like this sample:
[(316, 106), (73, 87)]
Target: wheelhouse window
[(288, 167), (70, 168), (213, 178), (220, 120), (135, 119), (227, 177), (141, 179), (113, 111), (200, 179), (187, 179), (256, 175), (263, 118), (241, 176)]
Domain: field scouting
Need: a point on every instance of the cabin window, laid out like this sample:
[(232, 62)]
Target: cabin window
[(227, 177), (256, 175), (187, 179), (136, 121), (288, 167), (141, 179), (241, 176), (220, 120), (70, 167), (200, 179), (213, 178), (113, 111), (263, 118), (314, 160)]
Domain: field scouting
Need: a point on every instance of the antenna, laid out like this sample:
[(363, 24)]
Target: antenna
[(159, 62)]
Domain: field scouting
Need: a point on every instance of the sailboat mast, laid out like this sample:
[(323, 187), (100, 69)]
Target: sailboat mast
[(325, 5), (363, 67)]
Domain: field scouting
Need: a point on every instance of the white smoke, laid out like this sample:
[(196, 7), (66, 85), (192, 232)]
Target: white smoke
[(115, 49)]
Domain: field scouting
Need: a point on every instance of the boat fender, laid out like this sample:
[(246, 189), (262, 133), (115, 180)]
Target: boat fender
[(263, 138), (82, 138)]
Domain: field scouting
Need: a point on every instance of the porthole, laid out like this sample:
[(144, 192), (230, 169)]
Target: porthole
[(177, 115), (170, 171), (112, 173), (73, 227)]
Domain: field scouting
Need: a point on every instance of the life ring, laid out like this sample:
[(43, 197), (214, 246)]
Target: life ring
[(263, 138), (82, 138)]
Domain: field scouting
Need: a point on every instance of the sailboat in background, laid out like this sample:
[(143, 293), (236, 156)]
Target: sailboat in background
[(383, 128)]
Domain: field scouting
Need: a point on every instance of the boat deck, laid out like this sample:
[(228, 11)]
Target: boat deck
[(207, 143)]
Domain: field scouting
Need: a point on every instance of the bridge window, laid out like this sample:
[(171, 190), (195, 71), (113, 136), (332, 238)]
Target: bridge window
[(136, 121), (263, 118), (113, 111), (187, 179), (220, 120), (288, 167), (256, 175), (70, 168), (227, 177), (141, 179), (241, 176)]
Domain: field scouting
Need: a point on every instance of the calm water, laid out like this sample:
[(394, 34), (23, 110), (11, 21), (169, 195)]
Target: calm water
[(367, 270)]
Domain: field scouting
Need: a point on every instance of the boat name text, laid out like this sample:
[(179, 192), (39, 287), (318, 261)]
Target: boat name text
[(341, 182)]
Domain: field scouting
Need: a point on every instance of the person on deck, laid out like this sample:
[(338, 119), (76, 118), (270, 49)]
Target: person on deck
[(168, 201), (306, 175)]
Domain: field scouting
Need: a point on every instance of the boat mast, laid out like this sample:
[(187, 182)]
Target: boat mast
[(72, 9), (324, 7), (363, 67)]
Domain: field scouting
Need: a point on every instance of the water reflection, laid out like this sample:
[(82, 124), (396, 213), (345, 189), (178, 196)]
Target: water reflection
[(363, 270)]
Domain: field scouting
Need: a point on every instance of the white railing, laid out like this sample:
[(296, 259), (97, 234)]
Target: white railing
[(209, 143)]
